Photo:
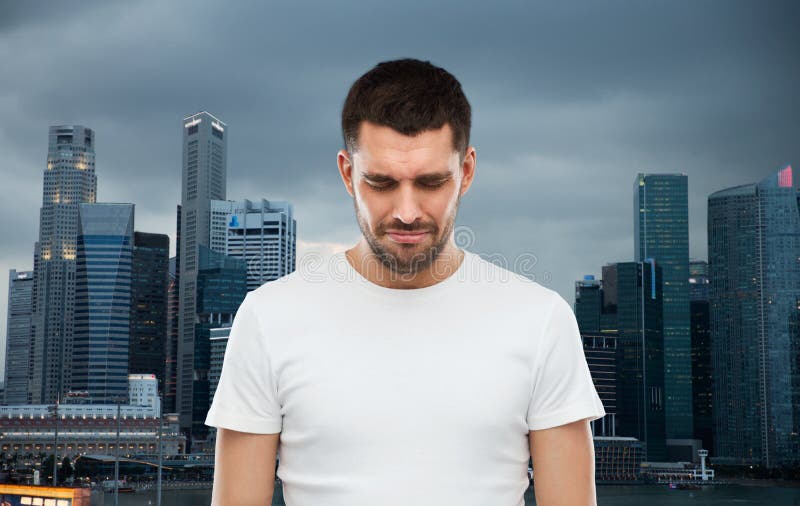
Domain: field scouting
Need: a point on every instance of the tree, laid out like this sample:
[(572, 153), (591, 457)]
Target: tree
[(66, 470), (46, 469)]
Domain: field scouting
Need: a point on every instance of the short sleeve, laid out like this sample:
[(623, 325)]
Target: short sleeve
[(246, 398), (563, 390)]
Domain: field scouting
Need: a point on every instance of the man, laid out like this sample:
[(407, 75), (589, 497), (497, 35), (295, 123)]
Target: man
[(409, 371)]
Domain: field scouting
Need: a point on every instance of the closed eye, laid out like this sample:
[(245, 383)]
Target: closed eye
[(380, 187), (433, 186), (388, 186)]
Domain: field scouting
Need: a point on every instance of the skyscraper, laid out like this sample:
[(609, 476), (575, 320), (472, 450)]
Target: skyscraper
[(701, 352), (18, 336), (69, 180), (149, 289), (103, 301), (600, 350), (661, 232), (598, 326), (634, 297), (203, 178), (754, 267), (262, 234), (221, 288), (171, 348), (588, 304), (620, 318)]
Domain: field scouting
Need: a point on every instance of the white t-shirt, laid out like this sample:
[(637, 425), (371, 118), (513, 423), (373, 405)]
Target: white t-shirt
[(404, 397)]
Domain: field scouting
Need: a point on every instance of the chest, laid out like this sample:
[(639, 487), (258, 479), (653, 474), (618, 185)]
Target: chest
[(470, 377)]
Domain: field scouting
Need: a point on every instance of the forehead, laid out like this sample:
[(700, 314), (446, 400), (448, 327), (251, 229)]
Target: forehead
[(386, 151)]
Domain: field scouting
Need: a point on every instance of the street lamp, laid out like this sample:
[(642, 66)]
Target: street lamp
[(116, 461), (118, 401), (55, 443), (160, 450)]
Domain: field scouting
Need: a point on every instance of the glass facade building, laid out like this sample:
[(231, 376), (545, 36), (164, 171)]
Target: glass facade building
[(620, 319), (701, 352), (588, 304), (661, 232), (173, 309), (149, 291), (754, 267), (221, 288), (633, 299), (18, 336), (103, 301)]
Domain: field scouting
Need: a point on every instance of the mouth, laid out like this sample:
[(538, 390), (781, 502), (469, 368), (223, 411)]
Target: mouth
[(407, 237)]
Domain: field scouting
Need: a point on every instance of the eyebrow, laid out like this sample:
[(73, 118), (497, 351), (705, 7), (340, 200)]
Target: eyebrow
[(383, 178)]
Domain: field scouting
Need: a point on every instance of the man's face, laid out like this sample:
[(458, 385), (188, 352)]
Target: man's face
[(406, 192)]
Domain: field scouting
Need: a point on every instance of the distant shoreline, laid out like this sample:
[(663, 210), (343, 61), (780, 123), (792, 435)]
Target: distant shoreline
[(746, 482)]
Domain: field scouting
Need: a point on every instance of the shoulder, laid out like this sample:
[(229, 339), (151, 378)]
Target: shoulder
[(310, 279), (496, 275), (286, 285)]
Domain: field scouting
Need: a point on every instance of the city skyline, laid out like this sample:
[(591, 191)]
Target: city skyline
[(560, 133)]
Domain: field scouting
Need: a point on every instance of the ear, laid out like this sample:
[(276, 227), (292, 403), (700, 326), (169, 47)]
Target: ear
[(344, 161), (467, 170)]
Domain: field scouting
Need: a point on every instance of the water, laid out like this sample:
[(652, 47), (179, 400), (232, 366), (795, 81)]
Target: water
[(653, 495), (607, 495)]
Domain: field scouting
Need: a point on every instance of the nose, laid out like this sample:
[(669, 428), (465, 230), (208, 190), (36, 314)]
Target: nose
[(406, 205)]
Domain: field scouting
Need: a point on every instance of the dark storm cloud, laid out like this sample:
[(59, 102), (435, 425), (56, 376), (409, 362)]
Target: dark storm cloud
[(569, 101)]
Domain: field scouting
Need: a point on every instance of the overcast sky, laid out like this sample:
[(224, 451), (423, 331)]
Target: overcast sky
[(570, 101)]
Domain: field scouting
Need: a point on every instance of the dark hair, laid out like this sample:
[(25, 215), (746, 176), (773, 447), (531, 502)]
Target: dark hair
[(409, 96)]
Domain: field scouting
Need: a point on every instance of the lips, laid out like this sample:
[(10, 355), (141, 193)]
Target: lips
[(407, 237)]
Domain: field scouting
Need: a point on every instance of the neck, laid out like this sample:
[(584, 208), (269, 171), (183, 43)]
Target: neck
[(366, 263)]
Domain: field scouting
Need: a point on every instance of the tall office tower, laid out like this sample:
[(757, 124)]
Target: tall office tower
[(171, 346), (263, 234), (632, 293), (149, 290), (601, 356), (598, 327), (69, 180), (221, 288), (588, 304), (754, 266), (203, 178), (18, 336), (661, 232), (171, 372), (701, 352), (103, 301)]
